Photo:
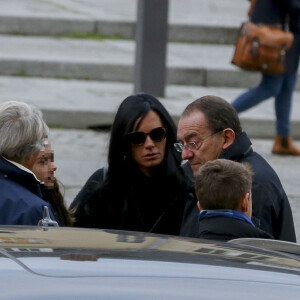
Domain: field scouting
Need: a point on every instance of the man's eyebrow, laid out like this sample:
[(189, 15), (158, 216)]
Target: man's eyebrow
[(190, 135)]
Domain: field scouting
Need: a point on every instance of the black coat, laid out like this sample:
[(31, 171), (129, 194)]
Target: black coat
[(271, 208), (21, 200), (274, 12), (151, 205), (225, 229)]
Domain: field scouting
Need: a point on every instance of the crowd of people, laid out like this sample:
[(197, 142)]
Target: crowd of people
[(200, 179), (145, 185)]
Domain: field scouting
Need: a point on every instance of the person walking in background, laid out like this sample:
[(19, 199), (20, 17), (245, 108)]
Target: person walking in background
[(144, 187), (279, 86), (22, 135), (209, 128), (223, 190)]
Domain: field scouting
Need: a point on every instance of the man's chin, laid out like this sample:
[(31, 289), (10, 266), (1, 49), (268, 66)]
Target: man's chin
[(196, 168)]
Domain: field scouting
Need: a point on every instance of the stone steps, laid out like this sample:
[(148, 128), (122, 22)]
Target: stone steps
[(111, 60), (190, 21), (47, 26), (70, 103), (79, 82)]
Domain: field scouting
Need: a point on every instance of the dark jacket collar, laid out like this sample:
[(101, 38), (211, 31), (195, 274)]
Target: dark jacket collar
[(221, 228), (241, 148), (20, 176)]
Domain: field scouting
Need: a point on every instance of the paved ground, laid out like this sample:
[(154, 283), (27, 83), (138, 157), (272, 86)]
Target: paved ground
[(78, 153)]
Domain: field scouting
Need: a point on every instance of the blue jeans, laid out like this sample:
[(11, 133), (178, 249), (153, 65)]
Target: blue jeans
[(279, 86)]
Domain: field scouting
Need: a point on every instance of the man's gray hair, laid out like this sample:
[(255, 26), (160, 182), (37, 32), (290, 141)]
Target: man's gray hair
[(22, 130)]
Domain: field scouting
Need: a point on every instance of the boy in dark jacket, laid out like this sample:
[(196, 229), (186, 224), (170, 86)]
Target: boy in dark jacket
[(223, 189)]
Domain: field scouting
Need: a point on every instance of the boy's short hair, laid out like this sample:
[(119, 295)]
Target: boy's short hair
[(221, 184)]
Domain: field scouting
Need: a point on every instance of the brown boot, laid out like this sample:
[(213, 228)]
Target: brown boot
[(284, 145)]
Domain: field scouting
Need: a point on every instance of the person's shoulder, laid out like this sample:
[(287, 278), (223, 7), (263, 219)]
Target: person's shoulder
[(25, 193), (98, 174), (243, 152), (263, 234), (248, 230), (21, 206), (259, 165), (97, 177), (266, 182), (90, 186), (14, 189)]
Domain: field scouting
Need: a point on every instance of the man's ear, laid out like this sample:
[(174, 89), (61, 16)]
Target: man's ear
[(31, 160), (229, 137), (199, 205), (245, 203)]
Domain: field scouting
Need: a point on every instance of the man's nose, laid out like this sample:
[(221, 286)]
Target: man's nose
[(186, 154)]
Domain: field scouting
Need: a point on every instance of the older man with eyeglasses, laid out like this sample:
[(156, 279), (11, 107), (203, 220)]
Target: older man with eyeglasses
[(209, 128)]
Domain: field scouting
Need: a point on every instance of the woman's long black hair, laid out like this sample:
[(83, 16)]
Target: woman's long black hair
[(119, 153), (111, 197)]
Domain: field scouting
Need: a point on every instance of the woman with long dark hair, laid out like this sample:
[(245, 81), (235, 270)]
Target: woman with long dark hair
[(144, 187)]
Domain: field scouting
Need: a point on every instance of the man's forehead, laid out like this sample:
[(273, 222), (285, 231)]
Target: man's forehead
[(191, 125), (188, 136), (194, 116)]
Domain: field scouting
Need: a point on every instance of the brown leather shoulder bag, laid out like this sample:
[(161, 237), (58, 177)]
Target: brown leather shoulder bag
[(262, 47)]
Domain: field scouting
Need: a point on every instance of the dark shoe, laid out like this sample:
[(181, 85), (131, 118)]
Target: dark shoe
[(285, 146)]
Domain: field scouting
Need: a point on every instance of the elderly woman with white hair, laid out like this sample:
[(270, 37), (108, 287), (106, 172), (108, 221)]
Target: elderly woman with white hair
[(22, 136)]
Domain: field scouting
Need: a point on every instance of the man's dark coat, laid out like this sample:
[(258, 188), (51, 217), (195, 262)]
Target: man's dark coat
[(271, 208)]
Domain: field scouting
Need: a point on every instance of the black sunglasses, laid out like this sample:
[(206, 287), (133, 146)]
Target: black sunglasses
[(139, 137)]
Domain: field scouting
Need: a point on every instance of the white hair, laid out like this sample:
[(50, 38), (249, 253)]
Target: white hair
[(22, 130)]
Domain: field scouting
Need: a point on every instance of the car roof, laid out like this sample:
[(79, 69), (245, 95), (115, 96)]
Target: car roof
[(58, 257)]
